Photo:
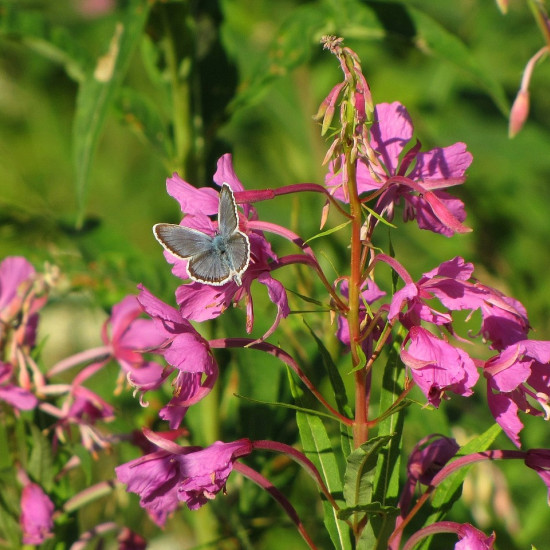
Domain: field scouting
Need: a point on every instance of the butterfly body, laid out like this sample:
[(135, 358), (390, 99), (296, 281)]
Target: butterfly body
[(211, 259)]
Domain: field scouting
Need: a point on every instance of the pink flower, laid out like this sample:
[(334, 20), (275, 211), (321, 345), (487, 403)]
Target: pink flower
[(16, 396), (18, 304), (430, 455), (471, 538), (82, 409), (36, 515), (519, 379), (186, 350), (420, 178), (197, 301), (129, 338), (437, 366), (180, 474), (447, 282), (504, 320), (427, 458)]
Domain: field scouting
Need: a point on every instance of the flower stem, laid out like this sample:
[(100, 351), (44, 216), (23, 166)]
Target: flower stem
[(278, 496)]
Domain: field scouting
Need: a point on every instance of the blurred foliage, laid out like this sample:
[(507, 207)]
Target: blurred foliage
[(97, 110)]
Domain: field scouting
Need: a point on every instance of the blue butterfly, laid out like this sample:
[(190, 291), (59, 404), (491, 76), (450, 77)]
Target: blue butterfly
[(212, 260)]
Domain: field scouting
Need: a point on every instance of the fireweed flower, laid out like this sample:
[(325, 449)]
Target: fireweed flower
[(187, 351), (436, 366), (419, 178), (19, 304), (471, 538), (448, 283), (11, 393), (197, 301), (84, 409), (519, 379), (36, 515), (427, 458), (177, 474), (504, 320), (128, 337)]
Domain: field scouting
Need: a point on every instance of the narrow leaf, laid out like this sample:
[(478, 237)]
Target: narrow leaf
[(97, 91), (318, 449), (386, 479), (328, 231), (359, 476)]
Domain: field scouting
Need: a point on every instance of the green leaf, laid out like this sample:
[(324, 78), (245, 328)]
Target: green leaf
[(359, 476), (54, 43), (40, 464), (340, 395), (97, 91), (287, 406), (318, 448), (328, 231), (380, 218), (10, 530), (370, 509), (5, 456), (306, 298), (444, 493), (386, 479), (335, 379)]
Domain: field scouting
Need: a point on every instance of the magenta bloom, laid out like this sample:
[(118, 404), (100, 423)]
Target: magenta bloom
[(36, 515), (129, 336), (449, 284), (197, 301), (18, 304), (437, 366), (181, 474), (419, 178), (471, 538), (14, 271), (504, 319), (186, 350), (11, 393), (429, 456), (519, 379)]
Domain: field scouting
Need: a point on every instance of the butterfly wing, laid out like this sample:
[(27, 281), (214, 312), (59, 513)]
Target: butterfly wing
[(182, 242), (228, 220), (238, 251), (210, 268)]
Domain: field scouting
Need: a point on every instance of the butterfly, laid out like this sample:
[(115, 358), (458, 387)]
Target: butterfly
[(211, 259)]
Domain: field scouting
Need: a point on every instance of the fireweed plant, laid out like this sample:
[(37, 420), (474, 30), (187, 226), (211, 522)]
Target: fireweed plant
[(406, 333)]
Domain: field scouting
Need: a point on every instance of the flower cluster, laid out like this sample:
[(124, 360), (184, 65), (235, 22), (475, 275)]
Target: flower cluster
[(375, 167)]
